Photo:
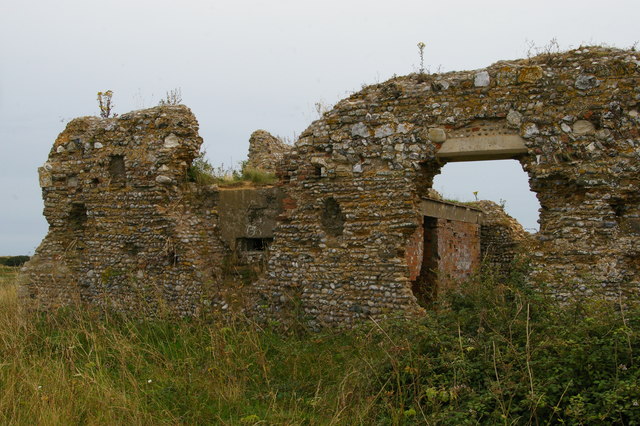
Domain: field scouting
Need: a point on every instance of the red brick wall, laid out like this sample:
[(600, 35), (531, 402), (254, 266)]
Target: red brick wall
[(452, 248), (414, 253), (458, 251)]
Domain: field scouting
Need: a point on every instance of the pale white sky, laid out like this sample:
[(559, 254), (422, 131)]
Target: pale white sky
[(247, 64)]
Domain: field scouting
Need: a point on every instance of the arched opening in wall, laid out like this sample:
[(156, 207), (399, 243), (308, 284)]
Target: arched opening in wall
[(502, 181), (458, 234)]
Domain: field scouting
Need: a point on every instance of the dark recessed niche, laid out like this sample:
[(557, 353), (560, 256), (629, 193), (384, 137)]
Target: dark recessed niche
[(77, 215), (131, 248), (172, 257), (618, 206), (116, 168), (253, 244), (332, 218)]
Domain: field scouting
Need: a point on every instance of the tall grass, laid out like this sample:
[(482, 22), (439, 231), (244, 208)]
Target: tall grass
[(492, 352)]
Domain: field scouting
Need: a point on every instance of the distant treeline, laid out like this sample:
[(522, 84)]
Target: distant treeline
[(13, 260)]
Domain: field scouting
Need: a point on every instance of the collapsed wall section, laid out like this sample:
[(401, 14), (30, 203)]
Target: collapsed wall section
[(502, 238), (266, 151), (125, 229)]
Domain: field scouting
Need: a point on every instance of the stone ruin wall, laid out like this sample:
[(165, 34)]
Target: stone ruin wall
[(127, 231), (502, 238), (375, 154), (266, 151)]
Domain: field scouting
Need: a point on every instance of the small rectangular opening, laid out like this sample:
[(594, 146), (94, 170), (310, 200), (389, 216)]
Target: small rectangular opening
[(253, 244), (116, 168), (77, 216)]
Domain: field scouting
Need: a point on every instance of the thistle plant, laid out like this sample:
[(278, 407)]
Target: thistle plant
[(421, 46), (104, 102)]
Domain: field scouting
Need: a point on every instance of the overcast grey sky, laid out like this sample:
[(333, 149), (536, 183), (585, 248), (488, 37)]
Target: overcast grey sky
[(247, 64)]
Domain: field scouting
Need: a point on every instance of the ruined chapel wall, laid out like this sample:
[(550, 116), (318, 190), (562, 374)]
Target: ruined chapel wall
[(126, 231), (375, 153)]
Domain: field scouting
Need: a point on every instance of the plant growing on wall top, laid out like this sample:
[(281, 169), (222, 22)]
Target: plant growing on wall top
[(173, 97), (421, 47), (104, 102)]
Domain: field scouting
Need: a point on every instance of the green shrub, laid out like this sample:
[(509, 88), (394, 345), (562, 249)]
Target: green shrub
[(201, 171), (13, 260), (494, 351)]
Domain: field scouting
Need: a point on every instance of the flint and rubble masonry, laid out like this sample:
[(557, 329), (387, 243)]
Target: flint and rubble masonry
[(127, 232)]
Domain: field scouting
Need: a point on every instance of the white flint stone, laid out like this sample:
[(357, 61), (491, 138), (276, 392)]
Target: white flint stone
[(585, 82), (47, 166), (171, 141), (98, 145), (437, 135), (514, 118), (60, 149), (441, 84), (583, 127), (402, 128), (163, 168), (482, 79), (603, 134), (360, 129), (357, 168), (565, 128), (399, 147), (531, 130)]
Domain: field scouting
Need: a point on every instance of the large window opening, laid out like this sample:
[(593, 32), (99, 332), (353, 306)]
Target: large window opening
[(501, 181)]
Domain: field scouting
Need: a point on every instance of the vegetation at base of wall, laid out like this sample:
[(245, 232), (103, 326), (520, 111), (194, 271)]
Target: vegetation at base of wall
[(492, 352), (203, 172)]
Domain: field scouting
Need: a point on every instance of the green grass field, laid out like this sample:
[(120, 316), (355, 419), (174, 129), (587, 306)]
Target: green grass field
[(494, 352)]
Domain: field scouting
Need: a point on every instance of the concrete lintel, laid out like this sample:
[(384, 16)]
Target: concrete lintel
[(446, 210), (248, 212), (483, 147)]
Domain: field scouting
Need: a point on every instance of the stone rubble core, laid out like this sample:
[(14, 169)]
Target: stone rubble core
[(266, 151), (354, 230)]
